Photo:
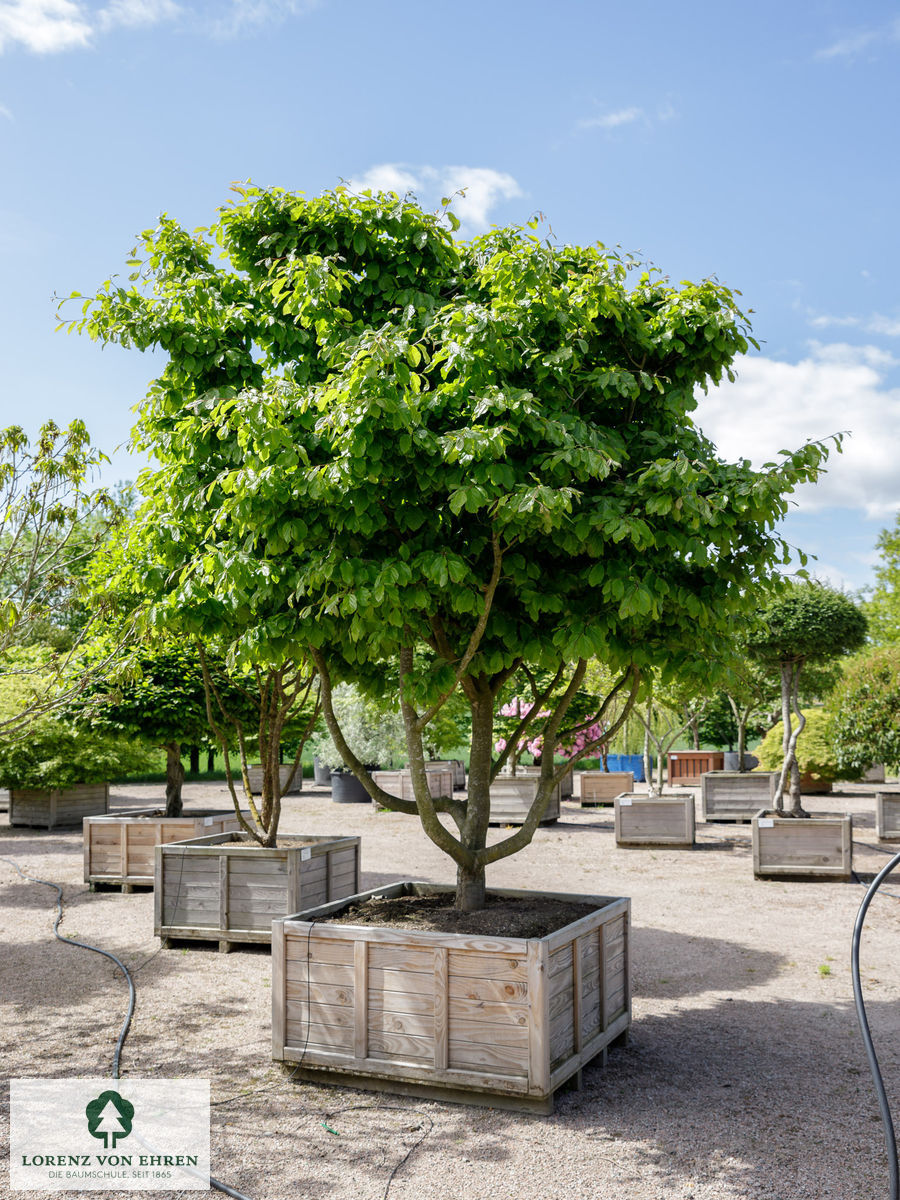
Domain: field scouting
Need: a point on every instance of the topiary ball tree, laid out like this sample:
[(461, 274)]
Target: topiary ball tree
[(806, 622), (443, 463)]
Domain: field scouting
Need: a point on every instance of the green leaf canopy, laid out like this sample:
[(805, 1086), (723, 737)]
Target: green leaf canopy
[(383, 446)]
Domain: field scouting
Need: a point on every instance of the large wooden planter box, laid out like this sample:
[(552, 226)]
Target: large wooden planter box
[(735, 795), (457, 766), (289, 780), (68, 806), (686, 768), (223, 888), (887, 814), (819, 846), (399, 783), (120, 848), (513, 795), (664, 820), (566, 784), (602, 787), (491, 1020)]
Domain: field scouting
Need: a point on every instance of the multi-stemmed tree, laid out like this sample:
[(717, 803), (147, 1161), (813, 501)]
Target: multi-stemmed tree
[(803, 623), (445, 462)]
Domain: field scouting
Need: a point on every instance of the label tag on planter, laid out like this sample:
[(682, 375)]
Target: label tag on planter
[(765, 823), (625, 803), (207, 820), (306, 852)]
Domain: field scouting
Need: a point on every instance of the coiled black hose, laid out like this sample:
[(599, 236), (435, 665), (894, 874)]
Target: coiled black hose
[(890, 1140)]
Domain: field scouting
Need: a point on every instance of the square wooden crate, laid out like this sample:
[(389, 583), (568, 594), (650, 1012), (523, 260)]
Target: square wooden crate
[(820, 846), (736, 795), (491, 1020), (665, 820), (119, 848), (513, 795), (64, 806), (602, 787), (399, 783), (887, 816), (226, 889)]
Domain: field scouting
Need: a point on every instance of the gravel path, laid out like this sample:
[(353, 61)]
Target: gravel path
[(745, 1078)]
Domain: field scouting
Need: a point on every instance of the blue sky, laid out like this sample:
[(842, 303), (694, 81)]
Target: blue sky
[(754, 144)]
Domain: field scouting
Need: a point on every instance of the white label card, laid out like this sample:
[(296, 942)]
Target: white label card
[(625, 803), (765, 823), (305, 853)]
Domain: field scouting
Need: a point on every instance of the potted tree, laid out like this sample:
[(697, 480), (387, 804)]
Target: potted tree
[(395, 475), (801, 623), (58, 775)]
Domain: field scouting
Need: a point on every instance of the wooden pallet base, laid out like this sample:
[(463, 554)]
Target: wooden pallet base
[(369, 1083)]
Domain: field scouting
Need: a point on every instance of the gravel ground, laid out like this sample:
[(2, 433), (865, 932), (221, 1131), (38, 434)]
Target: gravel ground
[(745, 1076)]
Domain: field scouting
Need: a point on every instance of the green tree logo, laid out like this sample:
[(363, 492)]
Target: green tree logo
[(109, 1117)]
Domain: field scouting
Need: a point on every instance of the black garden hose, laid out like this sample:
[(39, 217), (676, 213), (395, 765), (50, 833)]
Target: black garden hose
[(890, 1140), (126, 1025)]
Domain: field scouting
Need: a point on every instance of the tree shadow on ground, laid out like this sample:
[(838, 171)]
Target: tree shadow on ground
[(723, 1100)]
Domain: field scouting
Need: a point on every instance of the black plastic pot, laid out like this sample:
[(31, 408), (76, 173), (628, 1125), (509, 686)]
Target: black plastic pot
[(346, 789), (321, 771)]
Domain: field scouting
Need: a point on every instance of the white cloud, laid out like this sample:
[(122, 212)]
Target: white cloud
[(611, 120), (248, 14), (133, 13), (51, 26), (482, 188), (874, 323), (6, 112), (853, 44), (43, 26), (778, 405)]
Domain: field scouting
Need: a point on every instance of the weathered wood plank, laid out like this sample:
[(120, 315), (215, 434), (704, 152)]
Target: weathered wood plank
[(887, 815), (361, 999)]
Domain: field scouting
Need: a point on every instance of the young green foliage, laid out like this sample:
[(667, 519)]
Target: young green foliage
[(866, 708), (442, 461)]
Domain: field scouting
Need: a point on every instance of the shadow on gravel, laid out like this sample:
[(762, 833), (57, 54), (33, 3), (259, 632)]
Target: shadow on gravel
[(666, 964), (767, 1099)]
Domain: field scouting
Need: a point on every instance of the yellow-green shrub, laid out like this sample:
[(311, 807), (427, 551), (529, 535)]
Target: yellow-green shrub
[(815, 747)]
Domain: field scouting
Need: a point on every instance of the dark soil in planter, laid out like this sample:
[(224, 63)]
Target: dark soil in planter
[(528, 917)]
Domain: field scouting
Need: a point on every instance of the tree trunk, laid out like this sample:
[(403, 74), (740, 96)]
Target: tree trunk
[(210, 760), (195, 760), (695, 729), (648, 770), (470, 877), (470, 889), (174, 779)]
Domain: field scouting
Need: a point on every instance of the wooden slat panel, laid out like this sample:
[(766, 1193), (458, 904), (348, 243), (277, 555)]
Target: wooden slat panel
[(477, 1033), (318, 993), (471, 964), (560, 960), (403, 958), (322, 949), (340, 975), (399, 1045), (441, 1016), (360, 1013), (421, 982), (337, 1016), (488, 989), (272, 868), (330, 1036), (504, 1060)]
